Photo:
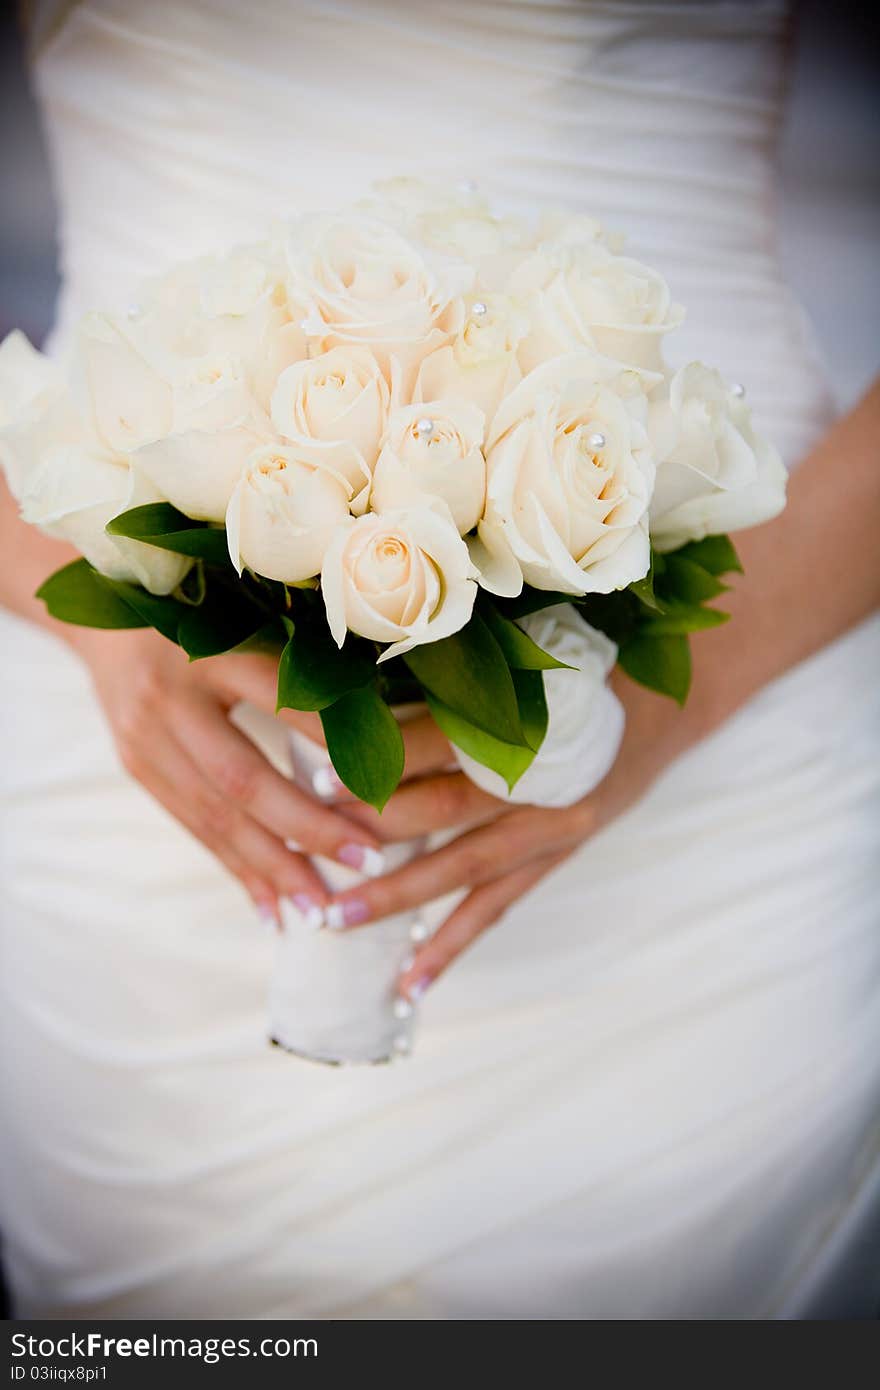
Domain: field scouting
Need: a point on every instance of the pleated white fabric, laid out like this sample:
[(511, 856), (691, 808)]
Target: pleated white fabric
[(653, 1091)]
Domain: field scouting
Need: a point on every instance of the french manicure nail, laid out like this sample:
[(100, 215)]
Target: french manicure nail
[(370, 862), (348, 913), (325, 783), (312, 913), (419, 931), (267, 915), (416, 990)]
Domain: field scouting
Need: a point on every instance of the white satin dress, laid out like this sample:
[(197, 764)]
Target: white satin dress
[(653, 1091)]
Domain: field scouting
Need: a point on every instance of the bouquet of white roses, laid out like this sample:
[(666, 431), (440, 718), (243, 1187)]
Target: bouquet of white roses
[(389, 444)]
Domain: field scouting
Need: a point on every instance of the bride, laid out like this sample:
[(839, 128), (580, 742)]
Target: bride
[(652, 1090)]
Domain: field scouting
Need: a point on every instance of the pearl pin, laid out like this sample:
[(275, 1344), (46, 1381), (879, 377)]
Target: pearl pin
[(478, 308), (402, 1008), (133, 311), (424, 428), (419, 931), (597, 440), (737, 389), (401, 1044)]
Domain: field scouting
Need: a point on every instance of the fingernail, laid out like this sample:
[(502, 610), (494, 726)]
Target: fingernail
[(419, 931), (416, 991), (326, 784), (268, 916), (312, 913), (348, 913), (370, 862), (408, 962)]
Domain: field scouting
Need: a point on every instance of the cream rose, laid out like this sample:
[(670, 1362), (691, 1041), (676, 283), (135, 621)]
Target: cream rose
[(402, 577), (434, 449), (583, 295), (716, 473), (454, 219), (37, 410), (569, 481), (585, 718), (334, 409), (481, 364), (216, 424), (65, 479), (73, 494), (282, 514), (359, 281)]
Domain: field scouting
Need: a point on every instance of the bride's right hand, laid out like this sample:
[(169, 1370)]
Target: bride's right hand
[(170, 721)]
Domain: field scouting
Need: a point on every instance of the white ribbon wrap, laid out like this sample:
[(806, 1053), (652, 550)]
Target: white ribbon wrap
[(585, 718)]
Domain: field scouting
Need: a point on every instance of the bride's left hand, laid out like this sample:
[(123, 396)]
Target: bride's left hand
[(505, 850)]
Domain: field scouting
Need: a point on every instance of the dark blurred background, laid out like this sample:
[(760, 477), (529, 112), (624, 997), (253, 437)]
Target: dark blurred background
[(830, 190)]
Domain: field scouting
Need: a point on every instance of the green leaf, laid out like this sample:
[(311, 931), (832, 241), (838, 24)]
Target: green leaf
[(160, 524), (687, 582), (520, 652), (468, 672), (677, 619), (644, 588), (164, 614), (661, 663), (222, 623), (365, 744), (313, 672), (269, 640), (715, 554), (617, 614), (78, 594), (509, 760), (532, 702), (531, 600)]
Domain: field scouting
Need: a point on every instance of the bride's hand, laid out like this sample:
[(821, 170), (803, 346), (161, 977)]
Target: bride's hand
[(507, 849), (170, 720)]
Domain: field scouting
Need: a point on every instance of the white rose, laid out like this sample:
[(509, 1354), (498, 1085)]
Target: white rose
[(403, 577), (334, 408), (129, 399), (73, 494), (584, 295), (282, 514), (434, 449), (360, 282), (716, 474), (481, 364), (560, 228), (234, 306), (65, 479), (569, 481), (585, 718), (454, 219), (37, 410)]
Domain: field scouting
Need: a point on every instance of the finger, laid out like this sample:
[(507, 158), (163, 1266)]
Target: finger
[(432, 803), (480, 910), (268, 870), (517, 838), (245, 779)]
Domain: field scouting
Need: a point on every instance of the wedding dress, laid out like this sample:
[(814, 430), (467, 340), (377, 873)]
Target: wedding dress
[(652, 1092)]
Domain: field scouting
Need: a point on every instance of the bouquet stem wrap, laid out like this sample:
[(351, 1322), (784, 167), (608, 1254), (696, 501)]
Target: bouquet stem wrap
[(332, 994)]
